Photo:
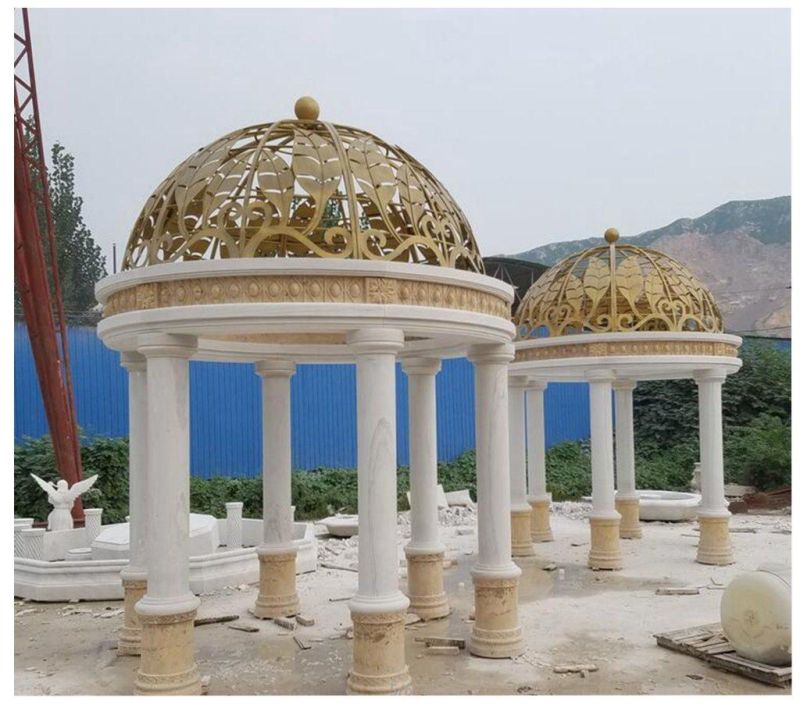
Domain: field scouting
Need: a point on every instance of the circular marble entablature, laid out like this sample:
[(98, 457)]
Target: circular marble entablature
[(636, 356), (246, 308)]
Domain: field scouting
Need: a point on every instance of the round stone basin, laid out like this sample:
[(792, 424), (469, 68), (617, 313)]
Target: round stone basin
[(661, 505), (342, 525)]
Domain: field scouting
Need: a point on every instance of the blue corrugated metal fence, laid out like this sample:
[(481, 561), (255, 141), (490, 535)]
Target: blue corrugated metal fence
[(226, 408)]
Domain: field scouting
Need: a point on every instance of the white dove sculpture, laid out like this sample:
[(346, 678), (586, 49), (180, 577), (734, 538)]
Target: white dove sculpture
[(62, 497)]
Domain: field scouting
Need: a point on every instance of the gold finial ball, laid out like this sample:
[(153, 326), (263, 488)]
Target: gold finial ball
[(611, 235), (306, 108)]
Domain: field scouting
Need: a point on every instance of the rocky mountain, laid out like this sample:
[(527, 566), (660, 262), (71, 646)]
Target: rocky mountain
[(741, 250)]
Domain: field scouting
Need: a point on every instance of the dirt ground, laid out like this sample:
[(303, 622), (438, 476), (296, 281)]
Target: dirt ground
[(568, 615)]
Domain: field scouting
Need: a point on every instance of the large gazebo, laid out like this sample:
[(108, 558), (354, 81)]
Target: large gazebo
[(304, 241), (613, 315)]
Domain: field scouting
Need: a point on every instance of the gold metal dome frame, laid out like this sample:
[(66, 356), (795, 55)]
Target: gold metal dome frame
[(302, 188), (616, 288)]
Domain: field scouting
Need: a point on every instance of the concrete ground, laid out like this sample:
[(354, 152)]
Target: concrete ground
[(569, 615)]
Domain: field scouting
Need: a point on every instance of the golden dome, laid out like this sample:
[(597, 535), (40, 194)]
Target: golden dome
[(616, 288), (302, 188)]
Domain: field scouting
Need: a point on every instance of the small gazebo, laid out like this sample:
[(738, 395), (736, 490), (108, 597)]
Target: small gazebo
[(613, 315), (293, 242)]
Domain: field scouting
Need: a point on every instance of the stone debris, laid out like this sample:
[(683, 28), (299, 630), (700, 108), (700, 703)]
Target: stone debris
[(22, 613), (205, 681), (243, 586), (442, 642), (68, 610), (305, 620), (340, 598), (242, 627), (302, 643), (110, 613), (581, 669), (549, 566), (572, 509), (199, 621), (677, 591), (285, 622), (335, 566), (411, 618)]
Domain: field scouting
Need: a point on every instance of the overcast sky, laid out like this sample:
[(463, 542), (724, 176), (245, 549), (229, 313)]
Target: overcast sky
[(544, 124)]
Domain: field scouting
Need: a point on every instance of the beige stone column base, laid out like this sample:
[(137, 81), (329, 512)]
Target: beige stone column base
[(167, 665), (496, 633), (629, 526), (277, 585), (540, 521), (129, 642), (521, 544), (714, 547), (426, 585), (379, 656), (605, 552)]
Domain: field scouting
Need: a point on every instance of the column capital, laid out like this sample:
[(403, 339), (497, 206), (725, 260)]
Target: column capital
[(500, 353), (133, 361), (536, 385), (600, 376), (624, 385), (418, 365), (376, 340), (716, 374), (279, 368), (176, 346), (516, 381)]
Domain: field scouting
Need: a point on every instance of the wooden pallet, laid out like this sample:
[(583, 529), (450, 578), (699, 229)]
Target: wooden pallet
[(707, 642)]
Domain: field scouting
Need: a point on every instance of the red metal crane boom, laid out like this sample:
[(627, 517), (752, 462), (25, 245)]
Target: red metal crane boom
[(42, 303)]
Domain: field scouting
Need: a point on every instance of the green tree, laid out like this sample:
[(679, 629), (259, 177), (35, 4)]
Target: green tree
[(80, 261), (666, 411)]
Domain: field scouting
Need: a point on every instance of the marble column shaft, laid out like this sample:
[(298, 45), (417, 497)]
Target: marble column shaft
[(425, 551), (168, 608), (378, 608)]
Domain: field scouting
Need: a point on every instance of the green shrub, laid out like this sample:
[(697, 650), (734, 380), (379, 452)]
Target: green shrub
[(569, 471), (669, 469), (665, 412), (760, 454)]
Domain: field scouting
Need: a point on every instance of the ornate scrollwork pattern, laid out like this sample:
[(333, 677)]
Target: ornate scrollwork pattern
[(301, 188), (616, 288)]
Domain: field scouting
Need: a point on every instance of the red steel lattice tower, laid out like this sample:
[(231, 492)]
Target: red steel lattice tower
[(41, 299)]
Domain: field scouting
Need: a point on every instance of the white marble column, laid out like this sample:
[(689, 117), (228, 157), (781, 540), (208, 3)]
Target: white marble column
[(627, 499), (496, 632), (604, 519), (134, 575), (714, 547), (425, 551), (168, 608), (233, 525), (378, 609), (92, 525), (521, 544), (277, 554), (538, 497)]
